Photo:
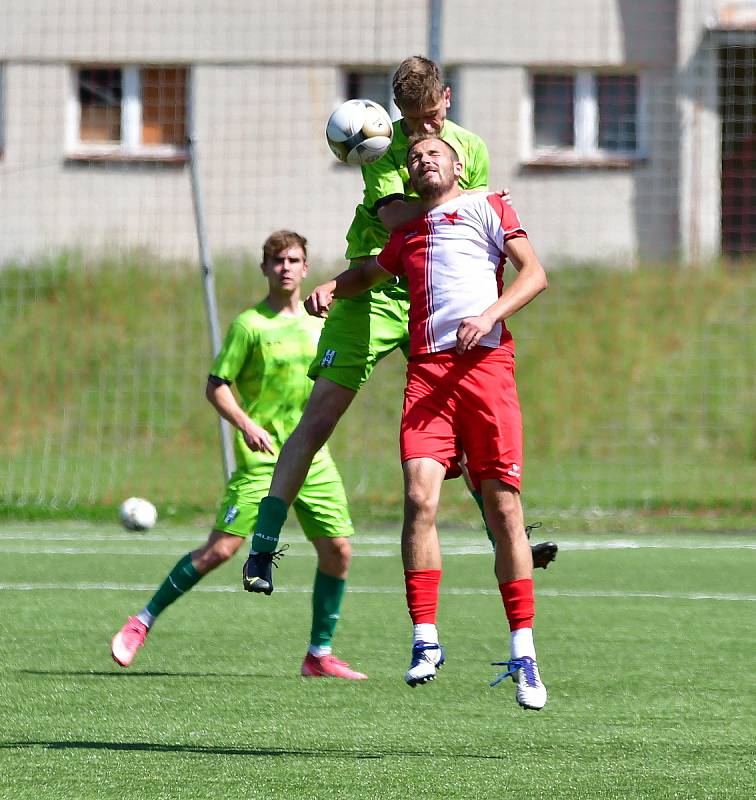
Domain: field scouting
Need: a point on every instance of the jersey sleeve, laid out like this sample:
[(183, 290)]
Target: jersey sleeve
[(389, 258), (503, 221), (235, 350), (382, 179), (478, 166)]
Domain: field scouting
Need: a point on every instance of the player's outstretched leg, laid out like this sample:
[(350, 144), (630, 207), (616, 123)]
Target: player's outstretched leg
[(427, 658), (124, 645), (186, 573)]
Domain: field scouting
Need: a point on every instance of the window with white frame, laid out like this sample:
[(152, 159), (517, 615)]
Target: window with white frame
[(128, 111), (584, 116)]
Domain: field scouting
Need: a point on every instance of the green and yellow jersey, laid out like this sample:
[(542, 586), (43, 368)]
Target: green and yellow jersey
[(388, 177), (266, 355)]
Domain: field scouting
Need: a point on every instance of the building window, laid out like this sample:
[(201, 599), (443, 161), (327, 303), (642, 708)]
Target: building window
[(584, 117), (617, 100), (373, 84), (553, 111), (128, 112)]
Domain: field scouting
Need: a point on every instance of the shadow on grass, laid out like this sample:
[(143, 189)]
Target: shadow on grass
[(91, 673), (325, 752)]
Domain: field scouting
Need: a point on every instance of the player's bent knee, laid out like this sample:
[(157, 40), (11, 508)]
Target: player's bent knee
[(420, 503), (334, 555)]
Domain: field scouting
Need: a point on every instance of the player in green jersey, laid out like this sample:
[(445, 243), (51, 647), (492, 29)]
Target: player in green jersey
[(266, 353), (361, 331)]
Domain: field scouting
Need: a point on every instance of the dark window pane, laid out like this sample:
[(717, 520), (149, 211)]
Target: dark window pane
[(553, 110), (100, 92), (164, 92), (373, 85), (618, 112)]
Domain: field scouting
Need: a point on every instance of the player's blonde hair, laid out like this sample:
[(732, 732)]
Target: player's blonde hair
[(418, 83), (282, 240)]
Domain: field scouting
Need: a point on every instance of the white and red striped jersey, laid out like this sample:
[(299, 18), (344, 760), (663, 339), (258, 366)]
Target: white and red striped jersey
[(453, 258)]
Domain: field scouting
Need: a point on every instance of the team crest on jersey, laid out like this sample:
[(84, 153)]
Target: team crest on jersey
[(454, 217), (232, 512), (328, 358)]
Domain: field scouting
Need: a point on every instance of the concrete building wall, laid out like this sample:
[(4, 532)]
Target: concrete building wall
[(266, 76), (285, 31)]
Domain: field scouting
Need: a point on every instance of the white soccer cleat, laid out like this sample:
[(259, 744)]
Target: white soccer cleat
[(530, 692), (427, 657)]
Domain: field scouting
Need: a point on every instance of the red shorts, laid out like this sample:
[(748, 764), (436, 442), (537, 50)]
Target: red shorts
[(464, 403)]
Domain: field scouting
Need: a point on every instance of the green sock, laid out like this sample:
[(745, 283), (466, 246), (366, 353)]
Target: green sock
[(271, 516), (478, 497), (180, 579), (327, 595)]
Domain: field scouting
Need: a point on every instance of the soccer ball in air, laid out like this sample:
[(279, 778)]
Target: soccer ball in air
[(359, 131), (137, 514)]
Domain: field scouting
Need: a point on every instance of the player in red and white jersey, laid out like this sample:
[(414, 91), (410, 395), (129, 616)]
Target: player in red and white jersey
[(454, 259), (461, 394)]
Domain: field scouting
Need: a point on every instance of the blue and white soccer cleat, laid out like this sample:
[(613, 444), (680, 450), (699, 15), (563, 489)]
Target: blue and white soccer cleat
[(427, 657), (530, 692)]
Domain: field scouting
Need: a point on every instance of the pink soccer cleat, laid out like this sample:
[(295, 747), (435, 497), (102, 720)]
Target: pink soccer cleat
[(127, 641), (329, 667)]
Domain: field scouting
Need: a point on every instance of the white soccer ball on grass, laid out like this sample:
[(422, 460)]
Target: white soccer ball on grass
[(359, 132), (137, 514)]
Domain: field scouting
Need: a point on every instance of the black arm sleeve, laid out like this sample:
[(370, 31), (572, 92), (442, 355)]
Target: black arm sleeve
[(384, 201)]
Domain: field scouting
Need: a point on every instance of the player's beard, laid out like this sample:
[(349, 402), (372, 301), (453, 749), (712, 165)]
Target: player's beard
[(430, 191)]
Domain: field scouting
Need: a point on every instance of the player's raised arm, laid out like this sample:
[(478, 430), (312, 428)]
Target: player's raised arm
[(530, 281), (350, 283)]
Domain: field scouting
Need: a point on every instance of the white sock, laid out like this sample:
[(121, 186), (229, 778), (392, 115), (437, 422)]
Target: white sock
[(319, 650), (425, 632), (147, 618), (522, 643)]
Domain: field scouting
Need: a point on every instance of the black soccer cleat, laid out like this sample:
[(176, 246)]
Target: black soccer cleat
[(257, 573), (544, 552)]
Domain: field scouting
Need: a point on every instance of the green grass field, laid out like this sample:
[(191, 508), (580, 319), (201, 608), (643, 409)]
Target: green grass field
[(637, 390), (645, 644)]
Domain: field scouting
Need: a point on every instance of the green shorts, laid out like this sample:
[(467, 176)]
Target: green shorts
[(359, 333), (321, 505)]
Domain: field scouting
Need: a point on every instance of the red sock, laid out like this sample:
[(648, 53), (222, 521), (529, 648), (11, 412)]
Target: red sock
[(422, 594), (519, 602)]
